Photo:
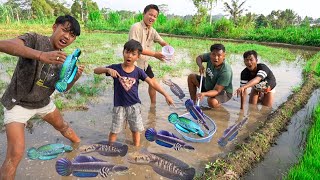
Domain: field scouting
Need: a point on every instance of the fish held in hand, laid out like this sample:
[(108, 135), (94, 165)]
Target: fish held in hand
[(68, 71)]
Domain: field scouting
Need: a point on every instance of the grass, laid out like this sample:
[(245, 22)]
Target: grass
[(309, 164)]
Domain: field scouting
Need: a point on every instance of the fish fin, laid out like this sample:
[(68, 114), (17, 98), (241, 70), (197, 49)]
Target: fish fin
[(189, 173), (124, 150), (75, 70), (233, 136), (181, 128), (172, 159), (85, 174), (63, 167), (33, 153), (164, 144), (87, 159), (222, 142), (48, 157), (151, 134)]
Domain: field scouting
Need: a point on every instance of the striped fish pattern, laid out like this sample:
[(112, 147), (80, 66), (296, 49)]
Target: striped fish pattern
[(105, 148)]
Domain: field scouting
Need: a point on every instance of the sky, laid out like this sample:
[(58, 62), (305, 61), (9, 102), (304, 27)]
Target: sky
[(184, 7)]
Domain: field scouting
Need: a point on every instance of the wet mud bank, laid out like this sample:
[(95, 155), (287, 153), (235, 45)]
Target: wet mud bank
[(242, 159), (288, 147)]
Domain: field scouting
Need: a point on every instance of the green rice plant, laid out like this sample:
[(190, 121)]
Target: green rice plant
[(309, 164)]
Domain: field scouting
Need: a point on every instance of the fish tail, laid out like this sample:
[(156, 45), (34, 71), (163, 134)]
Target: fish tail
[(61, 86), (33, 153), (173, 118), (151, 134), (63, 167), (189, 173), (124, 150)]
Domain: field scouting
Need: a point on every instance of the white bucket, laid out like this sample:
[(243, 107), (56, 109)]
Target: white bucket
[(168, 52)]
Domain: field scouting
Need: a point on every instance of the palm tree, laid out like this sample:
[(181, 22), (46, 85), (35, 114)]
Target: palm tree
[(235, 9)]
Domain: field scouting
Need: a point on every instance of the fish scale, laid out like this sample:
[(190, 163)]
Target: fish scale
[(164, 165)]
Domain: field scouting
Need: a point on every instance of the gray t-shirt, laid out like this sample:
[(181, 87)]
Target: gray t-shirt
[(33, 81)]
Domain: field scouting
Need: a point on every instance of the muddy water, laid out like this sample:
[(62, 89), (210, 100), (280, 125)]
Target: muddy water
[(289, 146), (93, 125)]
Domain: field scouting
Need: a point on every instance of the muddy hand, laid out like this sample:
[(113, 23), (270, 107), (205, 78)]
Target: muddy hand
[(53, 57)]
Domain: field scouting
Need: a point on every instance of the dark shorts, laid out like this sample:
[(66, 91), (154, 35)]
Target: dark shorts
[(222, 97), (149, 72)]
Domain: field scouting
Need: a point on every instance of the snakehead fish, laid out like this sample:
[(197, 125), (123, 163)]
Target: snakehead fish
[(88, 166), (105, 148), (48, 151), (174, 88), (196, 112), (68, 71), (167, 139), (163, 164), (231, 132), (185, 125)]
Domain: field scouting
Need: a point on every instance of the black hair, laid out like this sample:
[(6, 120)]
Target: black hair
[(151, 6), (133, 45), (74, 24), (251, 52), (218, 47)]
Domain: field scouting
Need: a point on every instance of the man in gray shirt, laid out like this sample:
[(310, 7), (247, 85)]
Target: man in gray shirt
[(28, 94)]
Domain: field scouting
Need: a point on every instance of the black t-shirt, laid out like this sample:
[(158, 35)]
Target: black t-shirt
[(263, 71)]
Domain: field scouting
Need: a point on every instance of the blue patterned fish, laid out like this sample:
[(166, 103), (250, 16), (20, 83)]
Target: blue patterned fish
[(185, 125), (104, 148), (68, 71), (174, 88), (196, 112), (88, 166), (231, 132), (49, 151), (167, 139), (164, 165)]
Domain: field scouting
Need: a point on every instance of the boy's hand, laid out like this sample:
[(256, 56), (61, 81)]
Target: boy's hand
[(113, 73), (52, 57), (169, 101)]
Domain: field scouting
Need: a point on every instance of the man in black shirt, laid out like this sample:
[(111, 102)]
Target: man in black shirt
[(260, 78)]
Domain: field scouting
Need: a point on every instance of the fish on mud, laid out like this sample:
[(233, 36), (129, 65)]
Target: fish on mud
[(196, 112), (167, 139), (185, 125), (163, 164), (88, 166), (105, 148), (48, 151), (174, 88), (231, 132)]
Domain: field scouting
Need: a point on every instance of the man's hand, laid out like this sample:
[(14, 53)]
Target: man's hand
[(240, 91), (201, 69), (169, 100), (79, 72), (159, 56), (52, 57), (200, 96)]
